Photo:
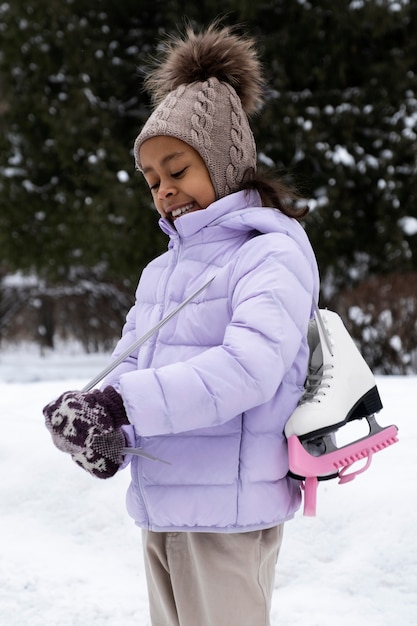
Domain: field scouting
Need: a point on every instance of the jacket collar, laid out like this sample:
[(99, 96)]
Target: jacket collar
[(215, 213)]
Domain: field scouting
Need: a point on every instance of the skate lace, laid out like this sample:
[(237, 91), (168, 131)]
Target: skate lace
[(316, 384)]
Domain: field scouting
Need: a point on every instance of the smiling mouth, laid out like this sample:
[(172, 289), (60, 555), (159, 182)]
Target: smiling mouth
[(181, 210)]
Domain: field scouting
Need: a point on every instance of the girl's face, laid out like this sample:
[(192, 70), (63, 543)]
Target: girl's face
[(177, 177)]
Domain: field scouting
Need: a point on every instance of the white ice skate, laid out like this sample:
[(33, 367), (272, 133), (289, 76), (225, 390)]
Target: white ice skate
[(340, 387)]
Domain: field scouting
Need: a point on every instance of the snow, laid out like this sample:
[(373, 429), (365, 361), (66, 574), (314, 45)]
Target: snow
[(71, 556), (341, 155), (122, 176), (409, 225)]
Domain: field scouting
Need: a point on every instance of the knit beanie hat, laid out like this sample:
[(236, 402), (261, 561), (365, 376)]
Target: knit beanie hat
[(204, 89)]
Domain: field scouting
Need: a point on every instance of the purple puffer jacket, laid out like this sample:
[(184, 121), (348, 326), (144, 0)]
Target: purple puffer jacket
[(211, 392)]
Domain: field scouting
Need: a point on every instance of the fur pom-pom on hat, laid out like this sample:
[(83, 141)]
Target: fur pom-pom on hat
[(215, 53), (204, 89)]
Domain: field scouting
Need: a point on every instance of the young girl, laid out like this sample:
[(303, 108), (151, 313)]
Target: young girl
[(210, 393)]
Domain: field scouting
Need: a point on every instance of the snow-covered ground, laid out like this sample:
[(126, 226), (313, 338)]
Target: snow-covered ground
[(71, 556)]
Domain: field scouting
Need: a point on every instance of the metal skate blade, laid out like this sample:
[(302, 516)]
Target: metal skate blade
[(140, 452), (342, 436)]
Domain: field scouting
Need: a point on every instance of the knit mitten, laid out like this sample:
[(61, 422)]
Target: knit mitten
[(88, 427)]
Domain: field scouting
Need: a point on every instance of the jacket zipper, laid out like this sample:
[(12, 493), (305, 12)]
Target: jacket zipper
[(162, 309)]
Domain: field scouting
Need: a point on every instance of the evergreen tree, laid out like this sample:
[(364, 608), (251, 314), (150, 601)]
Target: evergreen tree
[(340, 116), (73, 108)]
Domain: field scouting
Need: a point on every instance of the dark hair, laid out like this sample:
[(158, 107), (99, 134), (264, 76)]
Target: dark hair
[(278, 194)]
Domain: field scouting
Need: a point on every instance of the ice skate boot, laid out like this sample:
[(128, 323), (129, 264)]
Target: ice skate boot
[(340, 387)]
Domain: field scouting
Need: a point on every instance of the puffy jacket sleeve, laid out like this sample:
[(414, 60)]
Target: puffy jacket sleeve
[(270, 295)]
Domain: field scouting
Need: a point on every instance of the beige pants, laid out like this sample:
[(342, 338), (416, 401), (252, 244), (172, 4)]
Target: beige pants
[(210, 579)]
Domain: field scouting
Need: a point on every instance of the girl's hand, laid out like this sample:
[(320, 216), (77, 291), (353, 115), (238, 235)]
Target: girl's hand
[(88, 427)]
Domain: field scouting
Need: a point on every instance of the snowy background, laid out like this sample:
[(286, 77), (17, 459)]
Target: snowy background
[(71, 556)]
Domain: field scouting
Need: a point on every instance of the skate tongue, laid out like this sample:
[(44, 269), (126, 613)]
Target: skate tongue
[(316, 360), (315, 375)]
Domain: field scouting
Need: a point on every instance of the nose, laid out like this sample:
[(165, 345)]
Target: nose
[(166, 189)]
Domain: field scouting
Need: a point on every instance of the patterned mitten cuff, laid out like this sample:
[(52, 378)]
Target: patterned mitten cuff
[(112, 402)]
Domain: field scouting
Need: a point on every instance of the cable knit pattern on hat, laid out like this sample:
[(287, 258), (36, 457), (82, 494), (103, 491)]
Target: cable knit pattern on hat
[(202, 120), (206, 87), (162, 114), (237, 169)]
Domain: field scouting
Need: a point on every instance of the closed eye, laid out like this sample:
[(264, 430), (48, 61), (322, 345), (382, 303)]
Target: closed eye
[(180, 173)]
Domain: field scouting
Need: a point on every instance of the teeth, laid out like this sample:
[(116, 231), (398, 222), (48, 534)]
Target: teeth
[(182, 210)]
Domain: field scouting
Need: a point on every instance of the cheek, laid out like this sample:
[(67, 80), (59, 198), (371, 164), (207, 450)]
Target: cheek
[(157, 205), (208, 194), (211, 196)]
